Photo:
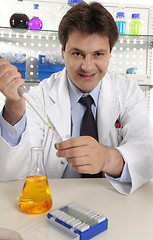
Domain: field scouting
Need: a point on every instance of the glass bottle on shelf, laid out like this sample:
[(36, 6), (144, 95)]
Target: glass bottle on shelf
[(19, 19), (35, 197), (135, 24), (35, 22), (120, 22), (72, 2)]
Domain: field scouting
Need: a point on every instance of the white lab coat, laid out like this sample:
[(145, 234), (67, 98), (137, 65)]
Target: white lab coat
[(120, 98)]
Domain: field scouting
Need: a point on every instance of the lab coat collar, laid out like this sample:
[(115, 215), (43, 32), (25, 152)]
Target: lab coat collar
[(59, 110), (60, 113)]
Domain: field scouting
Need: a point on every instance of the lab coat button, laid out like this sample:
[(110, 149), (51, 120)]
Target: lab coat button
[(62, 162), (13, 133)]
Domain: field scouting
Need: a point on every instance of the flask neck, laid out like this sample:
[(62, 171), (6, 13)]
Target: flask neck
[(37, 162), (36, 10), (120, 19), (20, 7), (136, 19)]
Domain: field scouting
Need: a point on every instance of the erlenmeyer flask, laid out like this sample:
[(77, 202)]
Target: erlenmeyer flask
[(35, 197)]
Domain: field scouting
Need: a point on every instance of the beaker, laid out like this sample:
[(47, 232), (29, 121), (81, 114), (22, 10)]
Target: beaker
[(35, 197), (8, 234)]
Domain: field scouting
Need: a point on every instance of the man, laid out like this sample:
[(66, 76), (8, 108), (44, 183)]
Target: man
[(124, 153)]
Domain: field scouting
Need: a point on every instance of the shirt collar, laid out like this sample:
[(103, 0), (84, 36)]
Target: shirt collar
[(76, 94)]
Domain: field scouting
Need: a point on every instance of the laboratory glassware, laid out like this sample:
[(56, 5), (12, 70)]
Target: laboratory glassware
[(35, 197), (19, 19), (135, 24), (35, 22), (120, 22)]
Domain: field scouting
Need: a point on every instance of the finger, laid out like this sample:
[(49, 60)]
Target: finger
[(88, 169), (11, 83), (12, 86), (73, 152), (74, 142), (81, 160), (81, 168), (8, 77), (4, 61), (6, 67), (7, 74)]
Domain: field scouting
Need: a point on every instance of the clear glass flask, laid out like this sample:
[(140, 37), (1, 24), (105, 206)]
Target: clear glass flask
[(35, 197)]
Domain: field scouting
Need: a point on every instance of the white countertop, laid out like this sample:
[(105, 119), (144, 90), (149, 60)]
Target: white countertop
[(129, 217)]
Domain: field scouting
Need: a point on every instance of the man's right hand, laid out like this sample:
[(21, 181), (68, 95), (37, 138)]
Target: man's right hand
[(10, 80)]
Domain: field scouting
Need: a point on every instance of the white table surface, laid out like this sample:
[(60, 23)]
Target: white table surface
[(129, 217)]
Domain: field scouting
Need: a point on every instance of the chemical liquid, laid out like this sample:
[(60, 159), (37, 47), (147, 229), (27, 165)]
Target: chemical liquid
[(35, 23), (135, 28), (18, 20), (135, 25), (120, 22), (121, 25), (35, 197)]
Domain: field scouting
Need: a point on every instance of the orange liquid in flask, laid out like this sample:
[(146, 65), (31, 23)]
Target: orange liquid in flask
[(35, 197)]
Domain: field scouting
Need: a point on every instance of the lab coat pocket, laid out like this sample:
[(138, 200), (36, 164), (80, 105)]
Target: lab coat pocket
[(114, 139), (118, 131), (119, 137)]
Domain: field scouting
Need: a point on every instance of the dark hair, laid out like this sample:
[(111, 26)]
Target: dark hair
[(88, 18)]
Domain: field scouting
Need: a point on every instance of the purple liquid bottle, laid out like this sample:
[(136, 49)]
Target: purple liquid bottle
[(35, 23)]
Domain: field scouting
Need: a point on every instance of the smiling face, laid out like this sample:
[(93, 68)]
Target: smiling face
[(86, 58)]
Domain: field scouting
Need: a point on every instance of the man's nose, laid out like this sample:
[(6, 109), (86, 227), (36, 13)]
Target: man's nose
[(87, 64)]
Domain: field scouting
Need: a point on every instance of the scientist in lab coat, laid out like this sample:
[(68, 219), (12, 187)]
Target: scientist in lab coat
[(124, 152)]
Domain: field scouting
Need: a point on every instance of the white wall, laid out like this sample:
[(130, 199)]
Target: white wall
[(149, 2), (109, 1), (53, 12)]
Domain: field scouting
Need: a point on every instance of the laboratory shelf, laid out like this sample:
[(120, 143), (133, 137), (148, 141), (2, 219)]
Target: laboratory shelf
[(27, 33), (130, 51)]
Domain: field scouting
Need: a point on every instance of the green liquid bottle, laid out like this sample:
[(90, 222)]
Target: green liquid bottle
[(135, 25)]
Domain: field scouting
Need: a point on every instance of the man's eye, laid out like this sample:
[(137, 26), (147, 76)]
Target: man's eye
[(77, 54), (99, 54)]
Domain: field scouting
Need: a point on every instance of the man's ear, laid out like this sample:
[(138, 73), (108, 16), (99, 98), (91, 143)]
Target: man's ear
[(62, 52)]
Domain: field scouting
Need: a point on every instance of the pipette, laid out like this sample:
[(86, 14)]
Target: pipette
[(21, 91)]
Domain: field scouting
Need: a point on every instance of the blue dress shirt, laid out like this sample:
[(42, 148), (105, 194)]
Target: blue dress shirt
[(77, 112)]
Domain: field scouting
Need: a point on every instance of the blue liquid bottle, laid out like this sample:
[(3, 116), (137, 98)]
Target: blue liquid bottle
[(120, 22), (72, 2)]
